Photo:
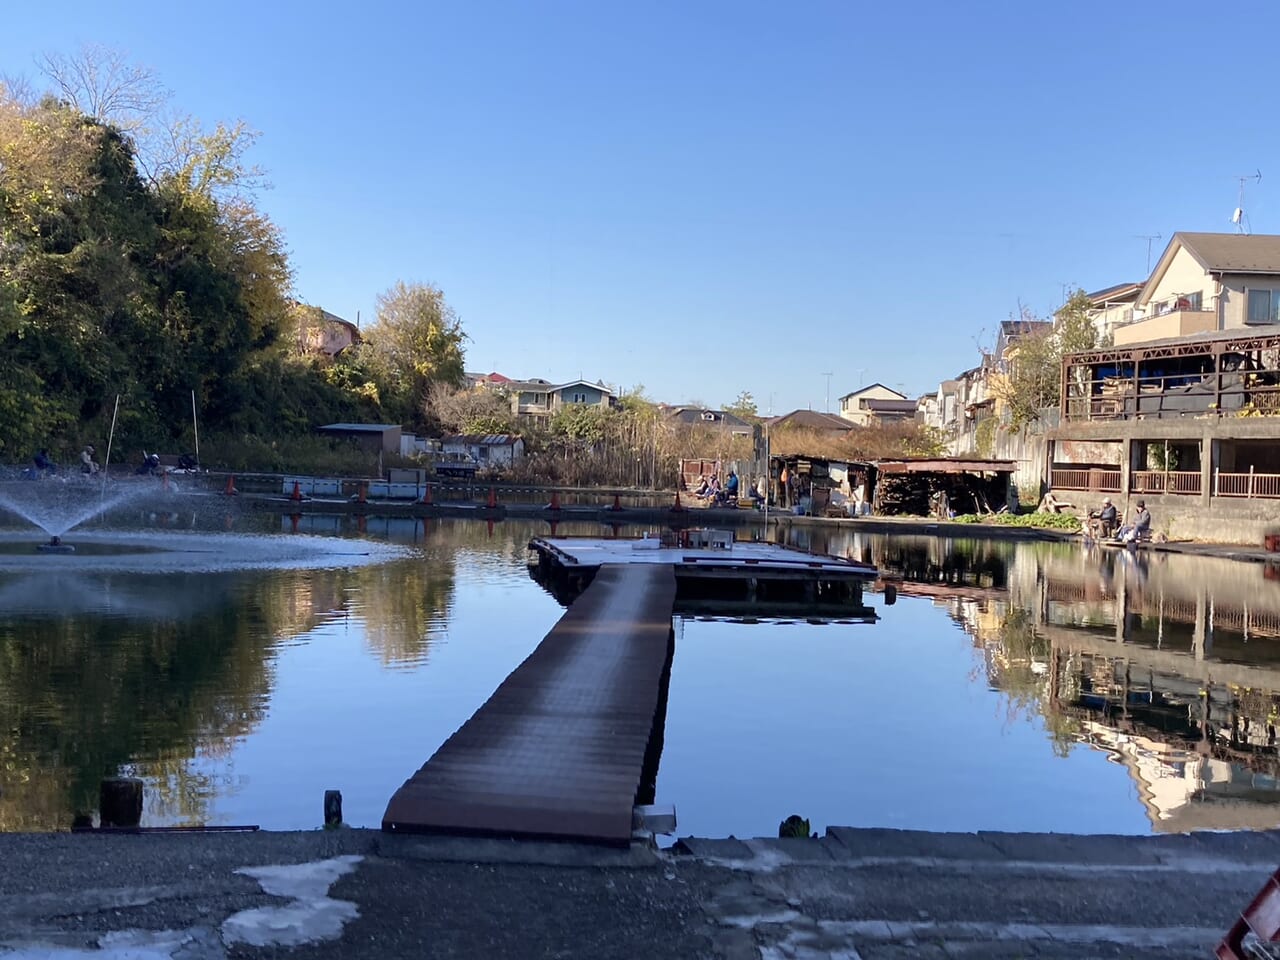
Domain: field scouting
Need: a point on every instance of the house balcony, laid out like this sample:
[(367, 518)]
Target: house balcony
[(1175, 323)]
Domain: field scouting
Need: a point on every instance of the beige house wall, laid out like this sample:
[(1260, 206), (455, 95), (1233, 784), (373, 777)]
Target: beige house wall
[(1185, 275), (851, 408), (1235, 299)]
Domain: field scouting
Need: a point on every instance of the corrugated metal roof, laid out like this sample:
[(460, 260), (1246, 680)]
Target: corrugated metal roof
[(361, 427), (484, 439)]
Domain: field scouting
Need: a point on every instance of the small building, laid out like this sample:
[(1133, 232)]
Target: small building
[(889, 411), (373, 437), (854, 406), (487, 450)]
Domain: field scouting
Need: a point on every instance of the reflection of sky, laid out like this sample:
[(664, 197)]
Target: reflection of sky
[(339, 719), (866, 725)]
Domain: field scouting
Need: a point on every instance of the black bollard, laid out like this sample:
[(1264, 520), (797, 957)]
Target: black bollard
[(120, 802), (333, 808)]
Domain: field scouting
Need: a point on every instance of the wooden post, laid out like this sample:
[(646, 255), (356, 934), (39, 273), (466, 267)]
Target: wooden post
[(333, 808), (120, 802)]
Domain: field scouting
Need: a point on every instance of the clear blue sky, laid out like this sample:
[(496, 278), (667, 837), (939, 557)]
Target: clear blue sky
[(711, 197)]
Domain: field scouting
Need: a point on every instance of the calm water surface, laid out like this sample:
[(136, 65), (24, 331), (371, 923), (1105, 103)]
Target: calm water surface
[(1019, 687)]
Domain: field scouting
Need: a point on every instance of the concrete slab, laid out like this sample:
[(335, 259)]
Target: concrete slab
[(862, 842), (1071, 848)]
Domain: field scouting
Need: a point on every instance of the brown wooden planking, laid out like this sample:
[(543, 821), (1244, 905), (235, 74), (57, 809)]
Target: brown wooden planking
[(558, 749)]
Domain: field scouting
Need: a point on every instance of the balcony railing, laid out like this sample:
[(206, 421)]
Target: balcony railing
[(1165, 481), (1260, 485), (1091, 478)]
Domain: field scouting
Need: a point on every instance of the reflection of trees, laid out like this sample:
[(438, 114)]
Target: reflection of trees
[(84, 696), (405, 606)]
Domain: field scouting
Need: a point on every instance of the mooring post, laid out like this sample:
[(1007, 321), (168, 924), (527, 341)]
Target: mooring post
[(120, 802), (333, 808)]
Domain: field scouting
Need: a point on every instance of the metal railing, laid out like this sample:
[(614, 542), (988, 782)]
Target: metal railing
[(1165, 481), (1090, 478), (1249, 485)]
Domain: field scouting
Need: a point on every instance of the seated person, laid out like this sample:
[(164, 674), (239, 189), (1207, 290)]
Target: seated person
[(43, 463), (87, 463), (756, 490), (713, 489), (731, 487), (1140, 526), (700, 490), (150, 464), (1103, 522)]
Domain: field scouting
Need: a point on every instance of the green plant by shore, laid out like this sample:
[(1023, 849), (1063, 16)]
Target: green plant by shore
[(1039, 521)]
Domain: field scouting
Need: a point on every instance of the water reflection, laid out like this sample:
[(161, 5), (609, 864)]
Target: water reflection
[(1169, 663)]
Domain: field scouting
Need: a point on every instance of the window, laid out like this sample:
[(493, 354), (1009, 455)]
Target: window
[(1264, 306), (579, 398)]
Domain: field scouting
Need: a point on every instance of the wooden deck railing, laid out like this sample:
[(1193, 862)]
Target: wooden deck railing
[(1261, 485), (1098, 480), (1161, 481)]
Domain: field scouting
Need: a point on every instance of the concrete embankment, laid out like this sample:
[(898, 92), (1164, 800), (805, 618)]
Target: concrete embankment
[(868, 894)]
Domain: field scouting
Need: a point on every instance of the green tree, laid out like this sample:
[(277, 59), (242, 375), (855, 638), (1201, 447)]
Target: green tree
[(1033, 380), (744, 406), (416, 341)]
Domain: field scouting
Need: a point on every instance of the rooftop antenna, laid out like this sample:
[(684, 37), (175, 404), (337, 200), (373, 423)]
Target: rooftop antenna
[(1239, 217), (1148, 237)]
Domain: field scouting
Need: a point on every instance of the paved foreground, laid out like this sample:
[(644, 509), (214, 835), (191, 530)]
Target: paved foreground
[(852, 895)]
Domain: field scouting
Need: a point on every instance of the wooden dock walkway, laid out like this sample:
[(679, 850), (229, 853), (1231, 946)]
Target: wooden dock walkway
[(560, 749)]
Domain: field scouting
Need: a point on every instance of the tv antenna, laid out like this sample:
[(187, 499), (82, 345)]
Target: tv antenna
[(1147, 237), (1239, 217)]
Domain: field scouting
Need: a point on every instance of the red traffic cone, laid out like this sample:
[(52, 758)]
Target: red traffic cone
[(363, 495), (493, 499), (426, 496), (555, 500), (617, 503), (230, 490), (297, 492), (679, 507)]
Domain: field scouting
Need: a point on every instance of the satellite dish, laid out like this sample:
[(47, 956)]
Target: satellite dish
[(1237, 216)]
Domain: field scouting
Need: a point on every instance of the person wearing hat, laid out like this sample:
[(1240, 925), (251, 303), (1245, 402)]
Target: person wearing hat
[(1104, 521), (1140, 526)]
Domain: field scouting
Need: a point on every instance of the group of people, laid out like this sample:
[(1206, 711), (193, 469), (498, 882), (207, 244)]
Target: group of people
[(1104, 523), (710, 490), (43, 464)]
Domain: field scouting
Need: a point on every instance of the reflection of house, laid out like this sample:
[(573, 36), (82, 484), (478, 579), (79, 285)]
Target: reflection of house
[(710, 419), (541, 398), (498, 450), (857, 407)]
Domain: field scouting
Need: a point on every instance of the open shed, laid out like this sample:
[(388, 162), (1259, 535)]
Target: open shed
[(941, 486)]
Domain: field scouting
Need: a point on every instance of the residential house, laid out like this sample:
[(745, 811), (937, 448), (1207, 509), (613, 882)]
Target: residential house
[(854, 406), (1112, 307), (1183, 409), (1205, 282), (811, 420), (485, 381), (889, 411), (541, 398), (322, 332), (492, 450), (711, 419)]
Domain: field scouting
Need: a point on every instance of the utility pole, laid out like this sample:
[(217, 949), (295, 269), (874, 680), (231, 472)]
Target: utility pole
[(828, 376)]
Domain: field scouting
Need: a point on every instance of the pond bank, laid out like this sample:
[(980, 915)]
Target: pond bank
[(868, 894)]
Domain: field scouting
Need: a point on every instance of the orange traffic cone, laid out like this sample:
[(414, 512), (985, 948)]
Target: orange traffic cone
[(231, 490), (617, 503), (296, 496), (363, 495), (555, 500), (493, 499), (679, 507), (426, 496)]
